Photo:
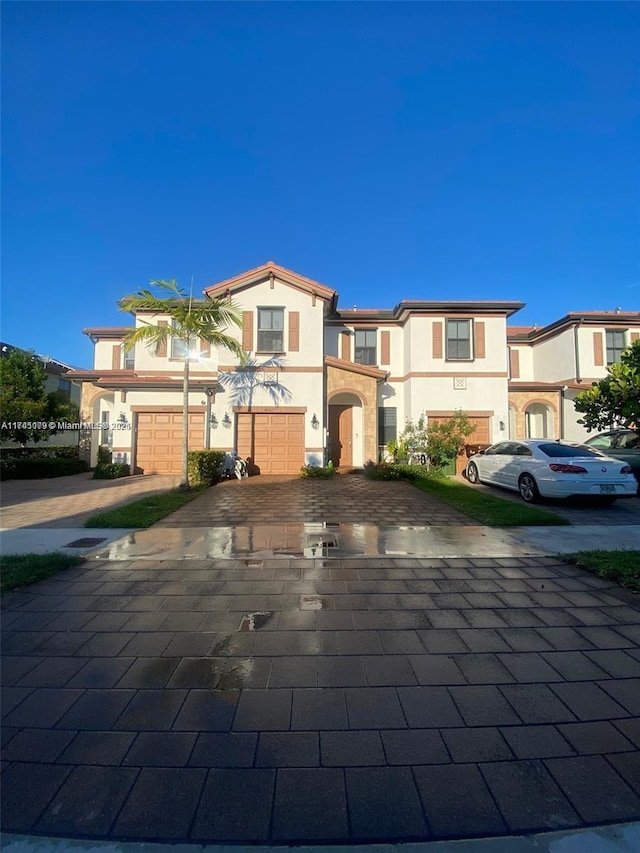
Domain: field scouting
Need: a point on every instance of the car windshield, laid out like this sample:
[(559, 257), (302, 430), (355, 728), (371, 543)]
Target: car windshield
[(564, 450)]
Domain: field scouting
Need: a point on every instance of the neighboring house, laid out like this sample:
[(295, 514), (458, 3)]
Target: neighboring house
[(549, 366), (320, 382), (57, 379)]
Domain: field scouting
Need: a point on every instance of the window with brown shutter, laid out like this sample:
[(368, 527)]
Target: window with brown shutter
[(294, 331), (514, 364), (247, 330), (385, 347), (598, 352), (205, 349), (161, 352), (116, 356), (437, 340), (634, 336), (345, 346), (479, 339)]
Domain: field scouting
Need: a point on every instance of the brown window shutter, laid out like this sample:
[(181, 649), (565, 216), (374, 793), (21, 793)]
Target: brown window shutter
[(598, 355), (514, 363), (634, 336), (345, 346), (294, 331), (479, 339), (385, 347), (162, 346), (437, 340), (247, 330), (116, 357)]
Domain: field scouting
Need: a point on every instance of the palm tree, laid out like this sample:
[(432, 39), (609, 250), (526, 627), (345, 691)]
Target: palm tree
[(189, 321)]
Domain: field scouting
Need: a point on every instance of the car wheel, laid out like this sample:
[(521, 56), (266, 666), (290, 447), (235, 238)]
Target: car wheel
[(472, 473), (528, 488)]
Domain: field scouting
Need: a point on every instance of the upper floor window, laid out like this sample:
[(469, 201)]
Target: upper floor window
[(365, 346), (181, 349), (270, 330), (129, 359), (458, 339), (615, 345), (64, 385)]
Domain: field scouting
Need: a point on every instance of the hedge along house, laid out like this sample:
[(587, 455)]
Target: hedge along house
[(319, 382)]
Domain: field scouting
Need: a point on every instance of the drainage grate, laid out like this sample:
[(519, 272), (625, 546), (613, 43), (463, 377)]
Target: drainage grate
[(322, 540), (87, 542)]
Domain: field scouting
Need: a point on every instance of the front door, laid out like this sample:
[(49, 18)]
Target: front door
[(341, 436)]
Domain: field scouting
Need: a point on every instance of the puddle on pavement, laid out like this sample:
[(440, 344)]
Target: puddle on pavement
[(236, 677), (254, 621), (312, 602)]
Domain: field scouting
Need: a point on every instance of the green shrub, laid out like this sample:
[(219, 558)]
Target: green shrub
[(38, 468), (111, 471), (204, 466), (381, 471), (317, 471), (104, 455)]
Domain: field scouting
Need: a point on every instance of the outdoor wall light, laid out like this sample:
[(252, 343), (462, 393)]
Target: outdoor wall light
[(213, 421), (502, 426), (226, 421), (122, 418), (315, 423)]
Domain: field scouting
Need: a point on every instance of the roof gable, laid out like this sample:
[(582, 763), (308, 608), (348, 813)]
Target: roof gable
[(267, 271)]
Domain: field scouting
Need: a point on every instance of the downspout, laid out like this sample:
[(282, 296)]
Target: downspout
[(562, 403), (576, 348)]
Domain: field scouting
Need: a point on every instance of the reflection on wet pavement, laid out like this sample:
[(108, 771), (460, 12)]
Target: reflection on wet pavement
[(254, 621)]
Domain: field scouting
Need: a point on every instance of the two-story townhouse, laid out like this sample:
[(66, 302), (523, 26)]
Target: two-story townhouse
[(319, 383), (550, 365)]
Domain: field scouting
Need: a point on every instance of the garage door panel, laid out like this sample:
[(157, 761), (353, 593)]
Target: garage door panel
[(275, 441), (159, 440)]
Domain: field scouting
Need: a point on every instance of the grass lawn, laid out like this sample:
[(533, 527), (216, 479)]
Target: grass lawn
[(485, 508), (146, 511), (620, 566), (23, 569)]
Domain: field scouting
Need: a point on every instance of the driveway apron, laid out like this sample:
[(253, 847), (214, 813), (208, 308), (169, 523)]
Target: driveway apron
[(319, 700)]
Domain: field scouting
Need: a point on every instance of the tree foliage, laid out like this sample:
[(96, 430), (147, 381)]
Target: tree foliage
[(614, 400), (439, 441), (23, 399), (190, 320)]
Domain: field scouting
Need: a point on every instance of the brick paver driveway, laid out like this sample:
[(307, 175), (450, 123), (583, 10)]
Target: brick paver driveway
[(69, 501), (346, 498), (425, 699)]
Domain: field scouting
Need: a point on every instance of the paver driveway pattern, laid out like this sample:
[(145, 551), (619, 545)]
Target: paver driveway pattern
[(66, 502), (426, 698), (345, 498)]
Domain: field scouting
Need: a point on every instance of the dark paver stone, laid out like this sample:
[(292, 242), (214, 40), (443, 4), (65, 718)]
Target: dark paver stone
[(15, 668), (195, 672), (588, 701), (151, 710), (384, 803), (388, 670), (630, 729), (97, 748), (43, 707), (628, 766), (529, 667), (401, 642), (535, 703), (39, 745), (414, 746), (616, 663), (448, 813), (162, 803), (626, 692), (207, 711), (476, 745), (294, 672), (104, 645), (224, 749), (429, 707), (88, 802), (52, 672), (235, 806), (359, 642), (483, 640), (483, 705), (594, 738), (310, 805), (26, 791), (263, 710), (319, 710), (160, 749), (373, 708), (96, 709), (442, 642), (595, 790), (101, 672), (288, 749), (149, 672), (341, 672), (528, 796), (573, 666), (351, 749), (483, 669), (436, 669), (536, 741)]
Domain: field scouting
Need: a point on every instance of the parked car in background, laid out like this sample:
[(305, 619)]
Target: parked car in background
[(552, 469), (622, 444)]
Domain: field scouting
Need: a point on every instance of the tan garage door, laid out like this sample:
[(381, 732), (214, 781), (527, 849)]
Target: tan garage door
[(480, 436), (275, 442), (159, 441)]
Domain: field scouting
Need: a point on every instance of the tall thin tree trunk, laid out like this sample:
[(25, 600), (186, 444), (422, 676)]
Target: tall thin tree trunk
[(184, 479)]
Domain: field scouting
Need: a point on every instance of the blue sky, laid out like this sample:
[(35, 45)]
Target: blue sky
[(388, 150)]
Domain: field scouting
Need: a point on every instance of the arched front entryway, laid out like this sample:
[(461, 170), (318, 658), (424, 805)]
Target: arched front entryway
[(538, 421), (345, 430)]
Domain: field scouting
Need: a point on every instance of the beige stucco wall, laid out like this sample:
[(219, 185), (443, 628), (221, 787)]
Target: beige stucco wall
[(520, 400)]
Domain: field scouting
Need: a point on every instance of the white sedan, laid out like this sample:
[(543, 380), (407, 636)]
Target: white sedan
[(551, 469)]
